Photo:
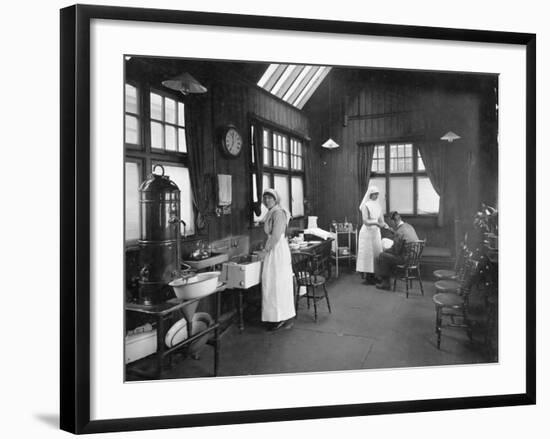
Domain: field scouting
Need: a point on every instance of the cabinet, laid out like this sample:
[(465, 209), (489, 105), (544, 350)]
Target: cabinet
[(345, 246)]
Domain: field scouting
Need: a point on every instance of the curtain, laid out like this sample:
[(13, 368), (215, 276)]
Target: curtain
[(194, 136), (364, 166), (258, 168), (434, 157)]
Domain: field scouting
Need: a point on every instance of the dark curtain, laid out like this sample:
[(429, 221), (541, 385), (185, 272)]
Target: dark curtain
[(194, 136), (365, 154), (364, 165), (434, 158), (258, 169)]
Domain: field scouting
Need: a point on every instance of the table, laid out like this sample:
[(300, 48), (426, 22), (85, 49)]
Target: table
[(163, 311)]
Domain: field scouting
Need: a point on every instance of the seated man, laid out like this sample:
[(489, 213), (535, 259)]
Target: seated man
[(403, 232)]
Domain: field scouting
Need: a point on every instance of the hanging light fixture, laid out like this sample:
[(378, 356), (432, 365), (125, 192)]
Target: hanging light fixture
[(330, 144), (450, 137), (185, 84)]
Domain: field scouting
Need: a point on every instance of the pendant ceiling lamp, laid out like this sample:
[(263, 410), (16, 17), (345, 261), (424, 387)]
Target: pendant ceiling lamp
[(450, 137), (185, 84), (330, 144)]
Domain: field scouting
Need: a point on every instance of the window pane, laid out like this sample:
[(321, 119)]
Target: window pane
[(267, 156), (156, 106), (401, 158), (132, 133), (401, 194), (156, 135), (170, 138), (180, 176), (428, 200), (420, 163), (131, 99), (131, 200), (170, 110), (182, 142), (297, 196), (380, 183), (378, 162), (181, 114), (253, 158), (281, 186)]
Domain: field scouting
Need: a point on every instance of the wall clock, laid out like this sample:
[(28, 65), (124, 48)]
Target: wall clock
[(231, 141)]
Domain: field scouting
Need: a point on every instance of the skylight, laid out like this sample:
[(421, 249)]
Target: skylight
[(293, 83)]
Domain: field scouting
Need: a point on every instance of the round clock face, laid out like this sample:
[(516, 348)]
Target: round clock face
[(232, 142)]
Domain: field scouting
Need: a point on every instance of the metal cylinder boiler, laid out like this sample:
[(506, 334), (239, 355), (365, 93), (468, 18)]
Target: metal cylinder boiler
[(159, 212)]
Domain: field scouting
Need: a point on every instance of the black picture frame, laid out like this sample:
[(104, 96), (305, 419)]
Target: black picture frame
[(75, 217)]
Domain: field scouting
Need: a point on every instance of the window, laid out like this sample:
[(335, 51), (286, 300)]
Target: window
[(180, 175), (132, 178), (167, 123), (164, 144), (283, 159), (402, 180), (131, 115)]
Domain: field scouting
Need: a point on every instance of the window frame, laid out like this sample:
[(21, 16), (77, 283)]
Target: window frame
[(145, 153), (177, 99), (414, 174), (139, 102), (270, 170), (141, 177)]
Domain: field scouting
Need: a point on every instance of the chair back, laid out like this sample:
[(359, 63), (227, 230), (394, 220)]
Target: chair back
[(323, 254), (461, 257), (303, 267), (467, 275), (413, 252)]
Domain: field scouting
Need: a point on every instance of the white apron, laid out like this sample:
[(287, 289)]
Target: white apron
[(369, 244), (277, 284)]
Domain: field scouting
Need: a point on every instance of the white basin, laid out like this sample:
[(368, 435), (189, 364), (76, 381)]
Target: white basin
[(197, 286)]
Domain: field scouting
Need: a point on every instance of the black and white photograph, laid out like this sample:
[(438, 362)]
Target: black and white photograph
[(275, 219), (296, 218)]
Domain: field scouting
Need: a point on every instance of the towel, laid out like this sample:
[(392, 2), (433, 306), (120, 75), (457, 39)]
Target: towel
[(224, 190)]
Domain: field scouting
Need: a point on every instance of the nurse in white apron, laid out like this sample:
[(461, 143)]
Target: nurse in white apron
[(277, 282), (369, 244)]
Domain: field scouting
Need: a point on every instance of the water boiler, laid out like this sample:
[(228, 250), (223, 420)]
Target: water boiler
[(159, 212)]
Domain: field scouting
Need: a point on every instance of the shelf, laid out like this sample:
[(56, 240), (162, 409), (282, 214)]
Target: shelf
[(350, 242)]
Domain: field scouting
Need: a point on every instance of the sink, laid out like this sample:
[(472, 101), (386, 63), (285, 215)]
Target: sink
[(197, 286), (214, 259)]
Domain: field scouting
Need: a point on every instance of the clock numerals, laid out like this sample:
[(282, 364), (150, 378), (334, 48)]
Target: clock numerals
[(233, 142)]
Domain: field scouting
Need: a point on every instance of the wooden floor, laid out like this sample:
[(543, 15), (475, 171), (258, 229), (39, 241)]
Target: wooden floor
[(368, 328)]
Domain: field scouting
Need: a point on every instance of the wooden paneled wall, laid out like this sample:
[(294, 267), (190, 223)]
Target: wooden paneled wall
[(362, 107), (230, 100)]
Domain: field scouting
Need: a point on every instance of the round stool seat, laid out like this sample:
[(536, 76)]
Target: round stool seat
[(445, 274), (447, 286), (451, 300)]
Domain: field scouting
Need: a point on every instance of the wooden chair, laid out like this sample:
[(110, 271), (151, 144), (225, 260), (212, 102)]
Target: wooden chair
[(307, 273), (453, 274), (410, 268), (452, 300)]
